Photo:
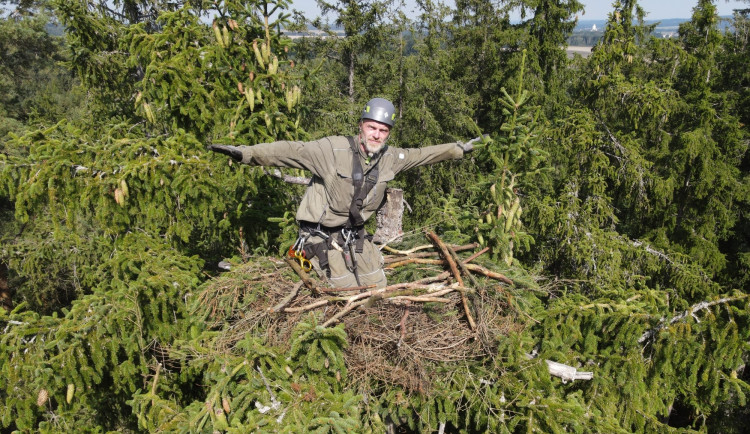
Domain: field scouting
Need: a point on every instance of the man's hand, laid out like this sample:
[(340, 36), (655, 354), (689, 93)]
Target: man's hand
[(232, 151), (469, 146)]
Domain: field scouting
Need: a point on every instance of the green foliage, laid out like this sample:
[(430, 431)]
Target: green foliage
[(254, 386), (630, 167), (514, 156), (319, 348), (103, 344), (32, 86)]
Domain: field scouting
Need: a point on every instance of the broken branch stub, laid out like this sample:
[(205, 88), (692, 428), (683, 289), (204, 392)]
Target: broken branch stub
[(566, 372)]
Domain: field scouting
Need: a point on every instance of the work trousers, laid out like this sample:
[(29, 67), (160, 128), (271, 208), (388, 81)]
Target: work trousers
[(369, 266)]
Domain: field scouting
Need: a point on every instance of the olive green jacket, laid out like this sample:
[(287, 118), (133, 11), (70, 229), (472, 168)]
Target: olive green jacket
[(329, 159)]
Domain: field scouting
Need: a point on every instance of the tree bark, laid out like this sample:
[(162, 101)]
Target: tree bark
[(5, 299), (389, 217)]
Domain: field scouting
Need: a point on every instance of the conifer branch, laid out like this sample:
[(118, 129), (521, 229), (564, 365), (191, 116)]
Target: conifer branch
[(275, 404), (691, 312), (666, 258)]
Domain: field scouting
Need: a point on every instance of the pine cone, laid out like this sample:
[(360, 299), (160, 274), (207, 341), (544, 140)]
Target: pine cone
[(42, 397)]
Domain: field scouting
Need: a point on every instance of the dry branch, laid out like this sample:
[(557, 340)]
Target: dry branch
[(567, 372), (413, 260), (475, 255), (411, 252), (348, 308), (406, 252), (464, 271), (288, 299), (310, 306), (692, 311), (454, 269), (489, 273), (418, 299), (472, 267), (302, 274), (353, 288)]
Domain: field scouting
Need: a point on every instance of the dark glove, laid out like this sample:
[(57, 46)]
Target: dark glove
[(232, 151), (469, 146)]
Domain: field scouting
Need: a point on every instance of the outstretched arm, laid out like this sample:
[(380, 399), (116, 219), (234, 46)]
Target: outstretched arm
[(298, 155), (408, 158)]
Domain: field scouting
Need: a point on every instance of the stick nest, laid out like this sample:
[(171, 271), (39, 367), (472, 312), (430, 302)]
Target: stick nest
[(395, 337)]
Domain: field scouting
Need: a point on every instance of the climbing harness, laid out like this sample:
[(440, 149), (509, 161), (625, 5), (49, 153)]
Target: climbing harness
[(347, 239)]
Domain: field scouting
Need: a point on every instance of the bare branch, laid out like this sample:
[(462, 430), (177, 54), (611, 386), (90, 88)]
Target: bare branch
[(690, 312)]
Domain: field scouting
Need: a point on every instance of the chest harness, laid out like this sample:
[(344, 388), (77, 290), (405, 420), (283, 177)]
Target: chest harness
[(349, 238)]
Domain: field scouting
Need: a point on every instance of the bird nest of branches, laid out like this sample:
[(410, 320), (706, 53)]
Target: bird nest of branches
[(455, 312)]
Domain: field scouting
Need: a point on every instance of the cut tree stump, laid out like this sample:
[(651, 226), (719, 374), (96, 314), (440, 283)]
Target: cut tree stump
[(389, 218)]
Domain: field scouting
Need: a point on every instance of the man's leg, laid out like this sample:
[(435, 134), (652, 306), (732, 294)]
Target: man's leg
[(369, 268)]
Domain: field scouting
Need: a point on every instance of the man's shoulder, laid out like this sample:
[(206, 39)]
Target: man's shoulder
[(334, 142), (393, 152)]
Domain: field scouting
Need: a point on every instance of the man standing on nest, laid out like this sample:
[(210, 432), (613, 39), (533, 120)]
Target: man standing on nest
[(347, 187)]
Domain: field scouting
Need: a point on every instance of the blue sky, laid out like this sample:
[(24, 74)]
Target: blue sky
[(597, 9), (659, 9)]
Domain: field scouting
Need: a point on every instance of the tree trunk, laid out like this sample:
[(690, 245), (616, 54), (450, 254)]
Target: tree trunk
[(389, 217), (5, 299)]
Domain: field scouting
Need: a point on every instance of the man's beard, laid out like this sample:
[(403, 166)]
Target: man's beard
[(370, 148), (373, 148)]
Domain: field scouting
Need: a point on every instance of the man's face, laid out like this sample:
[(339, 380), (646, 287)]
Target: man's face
[(374, 134)]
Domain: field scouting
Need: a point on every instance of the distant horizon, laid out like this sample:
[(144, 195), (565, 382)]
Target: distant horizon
[(595, 10)]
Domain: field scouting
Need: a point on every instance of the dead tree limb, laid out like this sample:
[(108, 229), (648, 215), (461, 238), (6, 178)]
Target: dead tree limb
[(454, 269), (489, 273), (462, 267), (302, 274), (348, 308), (472, 267), (447, 256), (353, 288), (418, 299), (412, 252), (444, 276), (408, 261), (288, 299), (311, 306), (475, 255), (567, 373), (691, 312), (406, 252)]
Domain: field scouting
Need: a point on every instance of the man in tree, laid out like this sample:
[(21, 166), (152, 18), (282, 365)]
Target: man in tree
[(347, 187)]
